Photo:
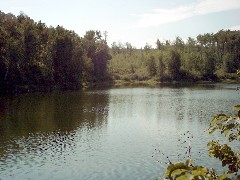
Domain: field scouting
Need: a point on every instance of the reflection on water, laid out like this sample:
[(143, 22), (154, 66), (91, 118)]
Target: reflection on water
[(46, 113), (35, 127), (106, 134)]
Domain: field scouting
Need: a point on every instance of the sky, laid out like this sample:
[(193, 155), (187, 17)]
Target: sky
[(135, 21)]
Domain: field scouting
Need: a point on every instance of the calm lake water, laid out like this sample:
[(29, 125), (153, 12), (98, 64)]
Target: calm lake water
[(109, 133)]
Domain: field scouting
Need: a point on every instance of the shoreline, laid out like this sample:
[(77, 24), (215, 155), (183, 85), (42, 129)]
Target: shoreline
[(114, 84), (153, 83)]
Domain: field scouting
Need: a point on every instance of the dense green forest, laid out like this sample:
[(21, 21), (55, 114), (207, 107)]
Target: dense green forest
[(34, 57), (209, 57)]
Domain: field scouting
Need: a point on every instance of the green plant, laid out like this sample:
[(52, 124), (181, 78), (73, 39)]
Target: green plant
[(229, 126)]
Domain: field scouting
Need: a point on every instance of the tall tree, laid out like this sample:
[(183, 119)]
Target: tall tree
[(98, 51), (161, 67), (174, 65), (159, 44), (152, 67)]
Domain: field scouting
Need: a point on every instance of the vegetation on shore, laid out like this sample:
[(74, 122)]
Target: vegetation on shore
[(34, 57), (209, 57)]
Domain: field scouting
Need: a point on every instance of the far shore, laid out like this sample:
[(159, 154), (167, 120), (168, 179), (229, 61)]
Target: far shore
[(154, 83), (115, 84)]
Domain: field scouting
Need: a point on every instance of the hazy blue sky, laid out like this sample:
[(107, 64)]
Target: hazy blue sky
[(135, 21)]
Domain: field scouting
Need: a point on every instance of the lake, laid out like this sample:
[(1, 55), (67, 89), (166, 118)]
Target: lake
[(116, 133)]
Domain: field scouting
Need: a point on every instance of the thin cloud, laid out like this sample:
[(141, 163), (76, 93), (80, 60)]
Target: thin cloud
[(211, 6), (203, 7)]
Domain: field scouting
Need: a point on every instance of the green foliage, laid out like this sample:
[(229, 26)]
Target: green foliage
[(36, 57), (97, 51), (136, 66), (226, 155), (174, 65), (209, 57), (159, 45), (229, 126), (152, 67), (161, 68), (187, 171)]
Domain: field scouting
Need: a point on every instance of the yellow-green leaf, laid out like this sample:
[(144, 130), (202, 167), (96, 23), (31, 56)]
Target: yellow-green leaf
[(178, 172), (237, 107), (217, 118), (223, 177)]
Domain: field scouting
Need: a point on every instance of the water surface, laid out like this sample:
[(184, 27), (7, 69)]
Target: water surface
[(109, 133)]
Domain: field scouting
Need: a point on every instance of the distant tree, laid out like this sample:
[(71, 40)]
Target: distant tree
[(191, 43), (98, 51), (147, 48), (159, 44), (62, 57), (33, 55), (210, 65), (174, 65), (161, 67), (179, 44), (129, 48), (115, 48), (167, 43), (152, 67), (105, 34)]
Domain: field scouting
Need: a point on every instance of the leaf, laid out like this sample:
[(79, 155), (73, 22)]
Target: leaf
[(237, 107), (217, 118), (184, 176), (214, 128), (223, 177), (229, 119), (232, 137), (226, 131), (173, 167), (178, 172), (211, 143), (227, 128), (167, 172), (200, 171)]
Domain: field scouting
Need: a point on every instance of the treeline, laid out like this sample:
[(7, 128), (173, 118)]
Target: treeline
[(209, 57), (34, 57)]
